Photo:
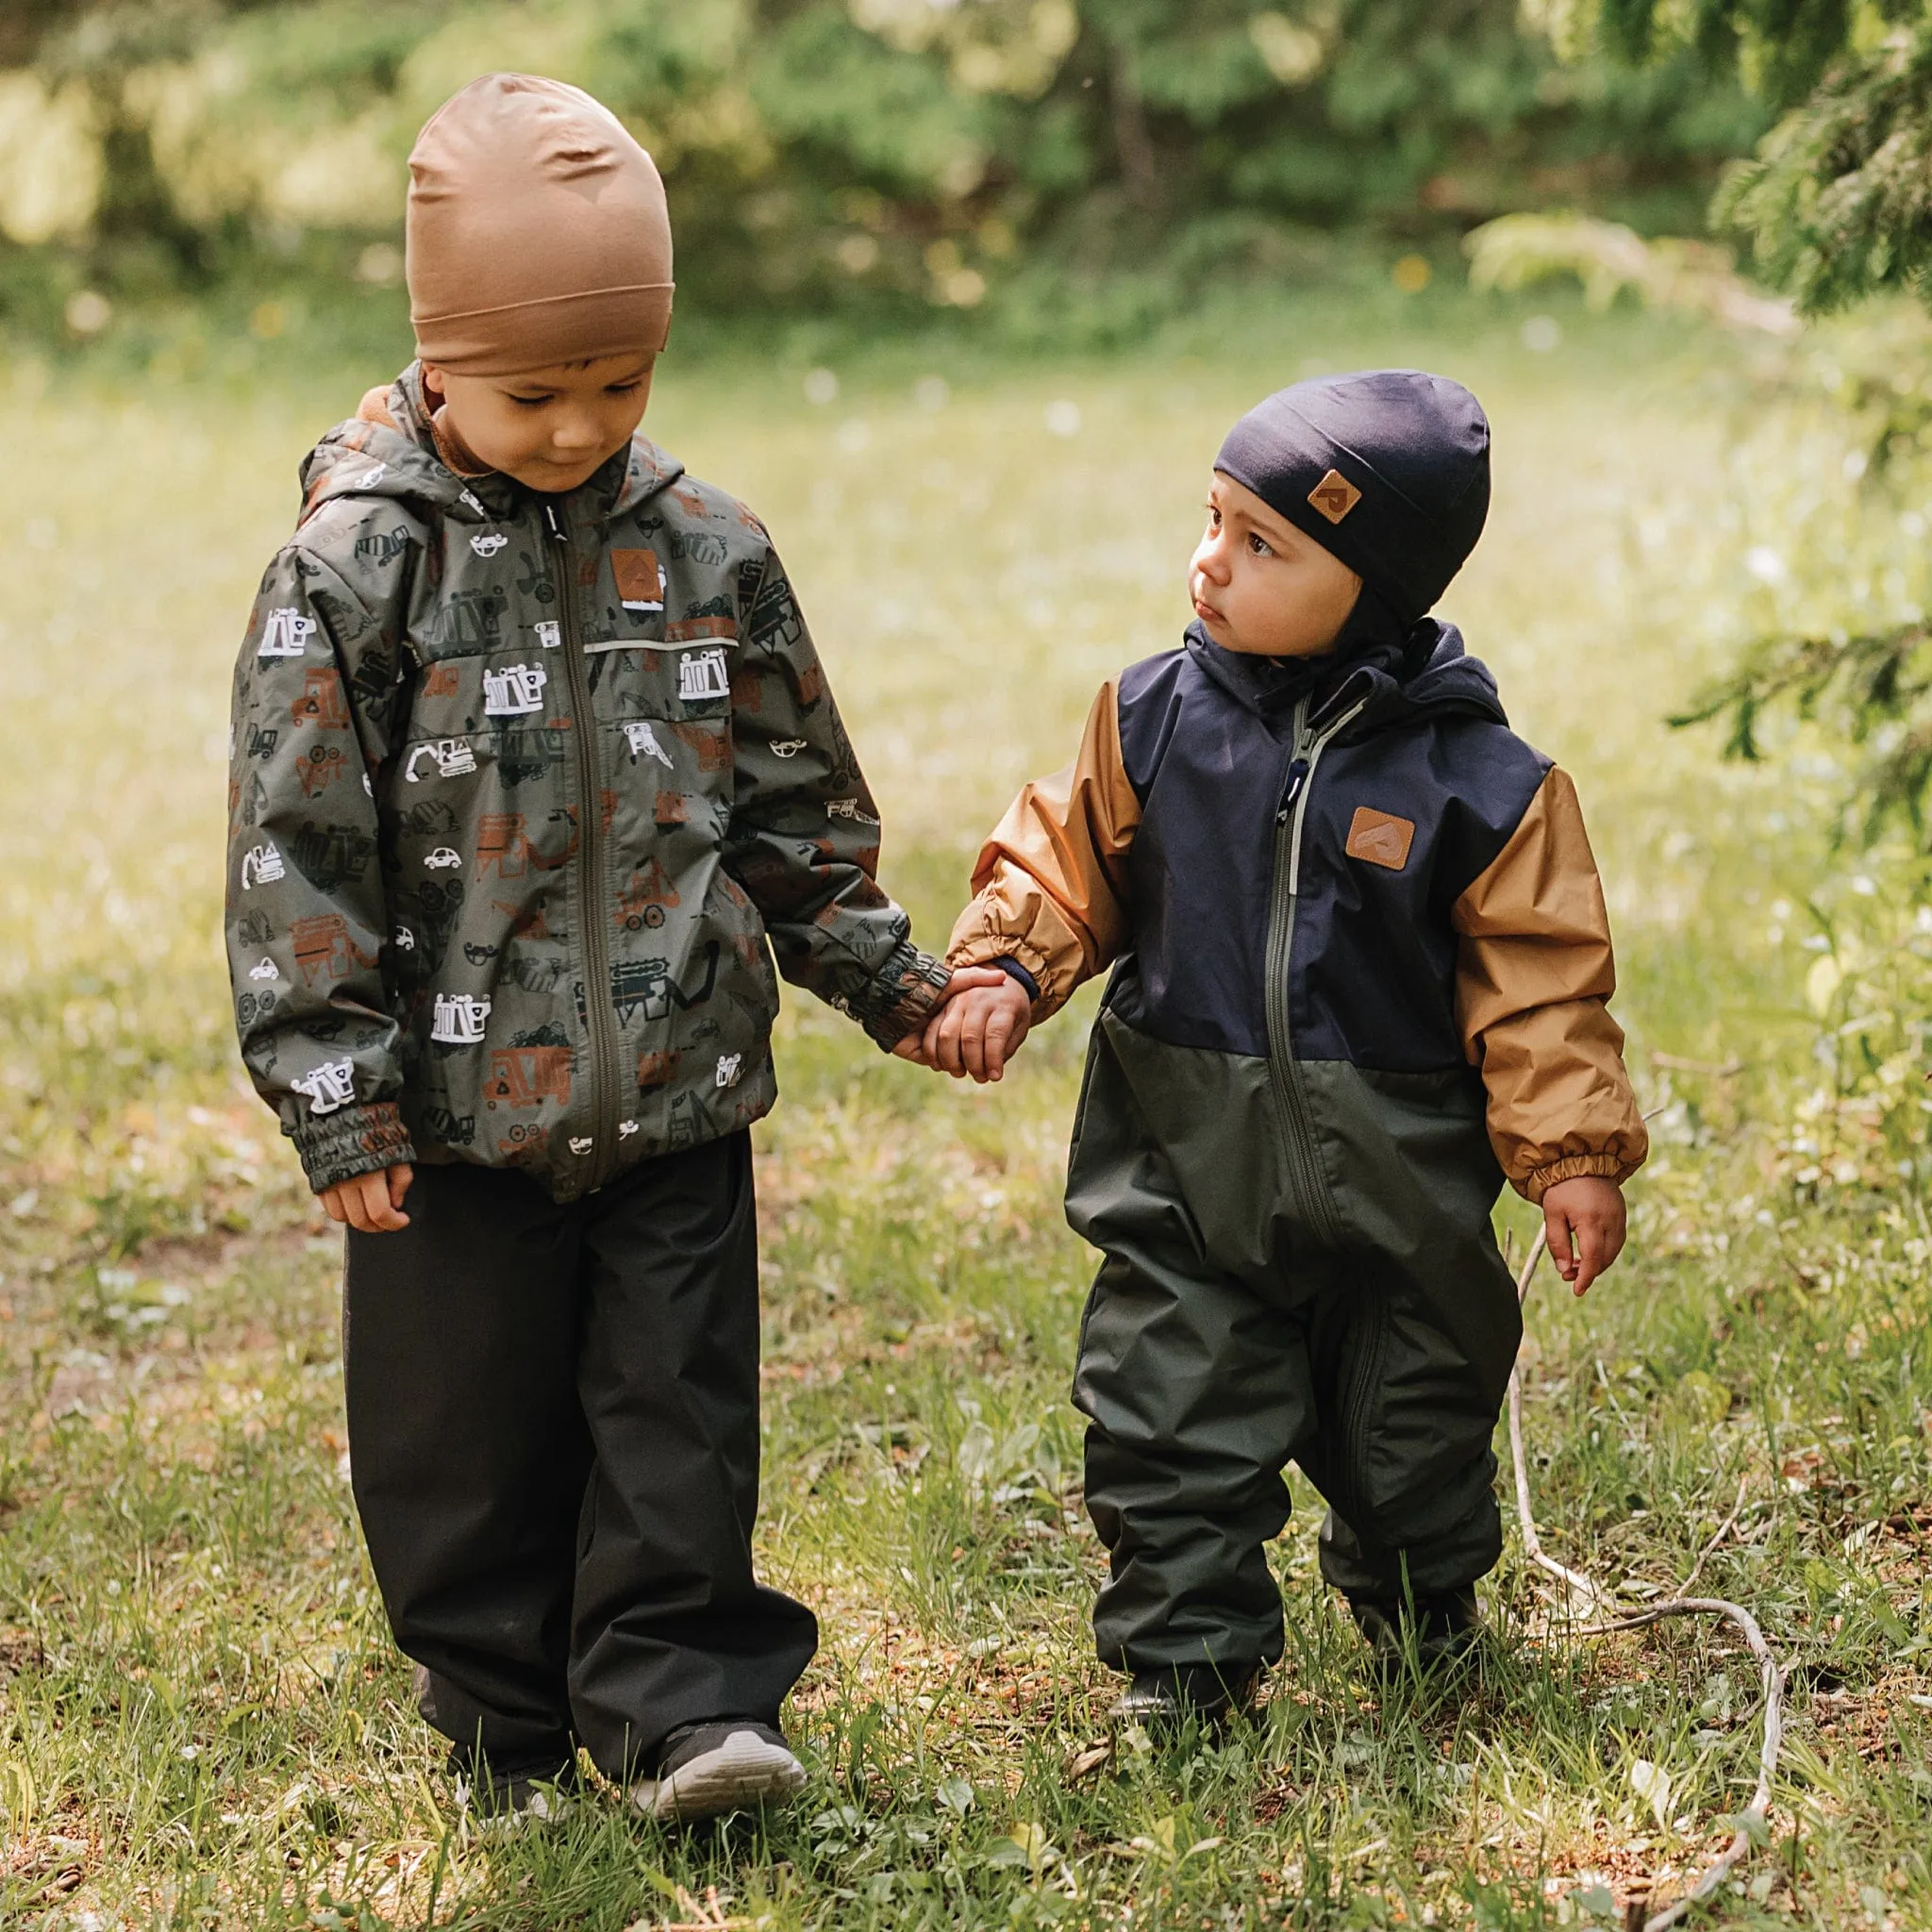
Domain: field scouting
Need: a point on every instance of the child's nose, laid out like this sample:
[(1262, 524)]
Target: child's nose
[(575, 432)]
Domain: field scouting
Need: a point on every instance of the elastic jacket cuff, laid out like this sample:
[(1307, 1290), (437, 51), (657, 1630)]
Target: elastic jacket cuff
[(900, 997), (1607, 1166), (358, 1140), (1013, 970), (1016, 957)]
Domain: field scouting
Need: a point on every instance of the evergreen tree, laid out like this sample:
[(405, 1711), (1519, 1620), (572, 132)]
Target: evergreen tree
[(1838, 207), (1838, 203)]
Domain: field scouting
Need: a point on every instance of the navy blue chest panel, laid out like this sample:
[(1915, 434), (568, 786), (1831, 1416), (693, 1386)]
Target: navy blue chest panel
[(1373, 966)]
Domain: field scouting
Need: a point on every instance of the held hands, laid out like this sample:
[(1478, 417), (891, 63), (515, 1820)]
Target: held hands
[(981, 1020), (371, 1203), (1583, 1218), (979, 1026)]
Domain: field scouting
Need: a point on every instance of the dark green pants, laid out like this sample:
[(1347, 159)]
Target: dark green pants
[(1221, 1343)]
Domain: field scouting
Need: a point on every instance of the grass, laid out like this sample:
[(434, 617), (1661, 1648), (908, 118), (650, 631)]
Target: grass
[(202, 1721)]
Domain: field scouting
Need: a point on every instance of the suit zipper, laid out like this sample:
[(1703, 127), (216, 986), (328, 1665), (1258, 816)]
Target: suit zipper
[(1291, 1090), (591, 897)]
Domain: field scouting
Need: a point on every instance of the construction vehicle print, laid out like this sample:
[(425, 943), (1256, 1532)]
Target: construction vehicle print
[(657, 1070), (323, 765), (467, 621), (528, 1076), (646, 986), (643, 901), (714, 747), (453, 1129), (323, 949), (322, 701), (524, 1142), (504, 846)]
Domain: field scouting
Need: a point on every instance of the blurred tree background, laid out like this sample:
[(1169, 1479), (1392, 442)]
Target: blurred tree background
[(185, 179), (1073, 167), (1837, 207)]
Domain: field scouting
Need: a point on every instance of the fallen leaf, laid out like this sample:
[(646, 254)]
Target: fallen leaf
[(1652, 1783)]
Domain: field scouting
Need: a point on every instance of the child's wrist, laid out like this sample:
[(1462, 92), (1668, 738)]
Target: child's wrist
[(1019, 975)]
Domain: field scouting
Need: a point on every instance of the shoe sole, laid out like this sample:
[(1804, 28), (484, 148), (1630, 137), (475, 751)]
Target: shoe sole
[(744, 1771)]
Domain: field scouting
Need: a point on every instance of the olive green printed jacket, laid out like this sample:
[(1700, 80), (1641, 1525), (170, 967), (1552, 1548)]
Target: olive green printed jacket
[(525, 790)]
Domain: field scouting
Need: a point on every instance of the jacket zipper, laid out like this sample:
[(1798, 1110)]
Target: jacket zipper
[(595, 911), (1290, 1090)]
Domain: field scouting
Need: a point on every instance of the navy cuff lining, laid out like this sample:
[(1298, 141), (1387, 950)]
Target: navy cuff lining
[(1013, 970)]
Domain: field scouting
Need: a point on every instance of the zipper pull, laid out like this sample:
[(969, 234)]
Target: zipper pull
[(556, 528), (1297, 778)]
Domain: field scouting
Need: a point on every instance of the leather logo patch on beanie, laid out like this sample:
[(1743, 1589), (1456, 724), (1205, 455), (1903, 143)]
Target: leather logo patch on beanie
[(1334, 496), (1380, 837)]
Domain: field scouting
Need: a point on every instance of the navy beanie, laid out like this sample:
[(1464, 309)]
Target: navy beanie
[(1388, 470)]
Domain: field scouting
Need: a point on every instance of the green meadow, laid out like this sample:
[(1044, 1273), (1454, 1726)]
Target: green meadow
[(202, 1721)]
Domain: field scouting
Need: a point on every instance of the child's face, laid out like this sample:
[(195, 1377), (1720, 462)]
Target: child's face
[(1260, 586), (551, 428)]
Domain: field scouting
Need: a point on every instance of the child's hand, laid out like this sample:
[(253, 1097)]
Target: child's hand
[(914, 1047), (371, 1203), (979, 1029), (1583, 1218)]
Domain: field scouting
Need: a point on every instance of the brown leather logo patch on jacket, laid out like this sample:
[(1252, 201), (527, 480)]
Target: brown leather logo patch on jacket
[(1380, 838), (1334, 496), (640, 583)]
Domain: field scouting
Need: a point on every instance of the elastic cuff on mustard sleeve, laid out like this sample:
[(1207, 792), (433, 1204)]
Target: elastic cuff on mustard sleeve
[(1003, 950), (1019, 976), (1606, 1166)]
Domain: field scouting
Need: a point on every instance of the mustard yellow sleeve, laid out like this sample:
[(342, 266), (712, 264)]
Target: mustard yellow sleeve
[(1050, 885), (1534, 975)]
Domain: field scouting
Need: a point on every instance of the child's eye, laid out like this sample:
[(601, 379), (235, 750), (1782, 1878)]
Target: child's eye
[(1259, 545), (529, 402), (1213, 517), (622, 389)]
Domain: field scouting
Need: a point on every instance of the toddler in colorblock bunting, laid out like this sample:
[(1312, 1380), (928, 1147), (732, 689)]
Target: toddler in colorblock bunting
[(1361, 966), (533, 768)]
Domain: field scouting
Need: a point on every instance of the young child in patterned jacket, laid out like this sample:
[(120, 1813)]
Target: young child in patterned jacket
[(534, 767), (1361, 966)]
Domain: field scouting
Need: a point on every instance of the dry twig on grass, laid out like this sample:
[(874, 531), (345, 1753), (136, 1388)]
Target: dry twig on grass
[(1751, 1822)]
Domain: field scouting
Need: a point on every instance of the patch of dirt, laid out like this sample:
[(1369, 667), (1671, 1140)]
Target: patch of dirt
[(20, 1650)]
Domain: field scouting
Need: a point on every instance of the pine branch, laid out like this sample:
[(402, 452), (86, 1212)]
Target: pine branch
[(1872, 689)]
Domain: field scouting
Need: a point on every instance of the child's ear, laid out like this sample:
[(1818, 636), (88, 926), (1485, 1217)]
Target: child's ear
[(432, 382)]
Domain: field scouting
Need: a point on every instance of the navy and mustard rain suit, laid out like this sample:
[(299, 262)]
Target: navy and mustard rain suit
[(1360, 965)]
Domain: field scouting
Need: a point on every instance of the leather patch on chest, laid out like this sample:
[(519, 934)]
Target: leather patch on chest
[(1380, 838), (640, 582)]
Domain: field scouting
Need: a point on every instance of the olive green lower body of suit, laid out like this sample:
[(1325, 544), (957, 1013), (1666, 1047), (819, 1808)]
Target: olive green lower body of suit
[(1225, 1338)]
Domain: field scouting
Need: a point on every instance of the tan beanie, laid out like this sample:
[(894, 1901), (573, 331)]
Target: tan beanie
[(537, 232)]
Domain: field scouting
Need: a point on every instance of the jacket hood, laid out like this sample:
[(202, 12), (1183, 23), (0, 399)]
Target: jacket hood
[(1432, 671), (388, 450), (1446, 678)]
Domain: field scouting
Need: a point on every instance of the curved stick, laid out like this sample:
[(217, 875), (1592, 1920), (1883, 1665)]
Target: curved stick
[(1753, 1819), (1579, 1584)]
